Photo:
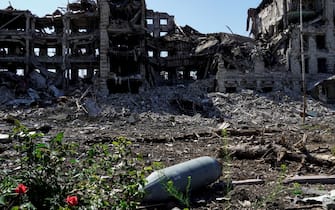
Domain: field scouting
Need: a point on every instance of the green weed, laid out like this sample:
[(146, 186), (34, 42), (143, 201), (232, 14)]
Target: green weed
[(277, 189), (183, 198), (332, 150), (226, 159), (296, 190), (54, 174)]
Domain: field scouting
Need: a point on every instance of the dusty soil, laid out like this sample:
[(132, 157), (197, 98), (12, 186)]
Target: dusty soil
[(174, 124)]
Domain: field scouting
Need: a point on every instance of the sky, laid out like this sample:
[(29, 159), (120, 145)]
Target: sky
[(206, 16)]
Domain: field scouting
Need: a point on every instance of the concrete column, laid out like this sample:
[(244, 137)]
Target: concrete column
[(43, 51), (330, 40), (142, 65), (74, 74), (27, 53), (65, 47), (186, 73), (285, 20), (259, 85), (313, 62), (295, 52), (90, 72), (104, 47), (143, 20)]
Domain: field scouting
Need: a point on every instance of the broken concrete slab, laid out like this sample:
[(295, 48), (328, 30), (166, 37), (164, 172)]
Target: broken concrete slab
[(324, 90), (55, 91), (206, 44), (92, 107), (33, 94), (326, 200), (6, 95), (37, 81), (5, 138), (20, 102)]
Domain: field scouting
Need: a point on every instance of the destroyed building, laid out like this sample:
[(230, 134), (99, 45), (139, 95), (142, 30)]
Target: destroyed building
[(277, 24), (169, 51), (50, 52), (120, 46)]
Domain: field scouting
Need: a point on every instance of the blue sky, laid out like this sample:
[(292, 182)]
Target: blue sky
[(204, 15)]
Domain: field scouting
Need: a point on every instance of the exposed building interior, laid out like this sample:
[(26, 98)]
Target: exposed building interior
[(277, 22), (121, 46)]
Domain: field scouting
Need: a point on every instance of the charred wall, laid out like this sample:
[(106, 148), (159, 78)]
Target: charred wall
[(121, 46), (61, 47), (170, 51), (118, 45), (276, 24)]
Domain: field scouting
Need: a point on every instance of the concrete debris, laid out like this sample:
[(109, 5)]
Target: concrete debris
[(33, 94), (20, 102), (135, 72), (276, 24), (55, 91), (327, 200), (206, 44), (37, 81), (121, 47), (162, 133), (92, 107), (133, 118), (4, 138), (254, 109), (324, 90), (6, 95)]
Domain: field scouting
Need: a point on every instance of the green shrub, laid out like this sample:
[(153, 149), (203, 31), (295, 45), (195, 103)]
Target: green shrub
[(64, 175), (296, 189), (332, 150), (183, 198)]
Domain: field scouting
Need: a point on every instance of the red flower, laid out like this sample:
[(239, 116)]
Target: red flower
[(21, 189), (72, 200)]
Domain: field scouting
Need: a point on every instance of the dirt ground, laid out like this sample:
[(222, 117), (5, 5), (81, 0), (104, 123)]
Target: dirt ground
[(175, 124)]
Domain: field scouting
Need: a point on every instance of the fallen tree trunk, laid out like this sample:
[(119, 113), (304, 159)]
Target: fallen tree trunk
[(247, 151), (247, 132)]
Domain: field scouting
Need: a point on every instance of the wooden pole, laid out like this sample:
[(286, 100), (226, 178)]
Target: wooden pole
[(303, 72)]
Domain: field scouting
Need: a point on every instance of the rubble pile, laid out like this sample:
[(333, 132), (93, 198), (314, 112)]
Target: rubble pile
[(232, 50), (192, 105), (275, 109), (162, 131), (26, 91)]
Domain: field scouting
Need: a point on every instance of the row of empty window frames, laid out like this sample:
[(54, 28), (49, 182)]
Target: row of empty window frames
[(161, 33), (162, 54), (52, 30), (82, 73), (52, 51), (180, 75), (162, 21)]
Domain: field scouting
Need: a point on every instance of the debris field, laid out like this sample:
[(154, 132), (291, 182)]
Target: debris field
[(264, 132), (98, 70)]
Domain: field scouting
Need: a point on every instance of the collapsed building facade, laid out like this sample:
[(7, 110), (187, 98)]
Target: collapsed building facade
[(277, 24), (121, 46), (117, 45)]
